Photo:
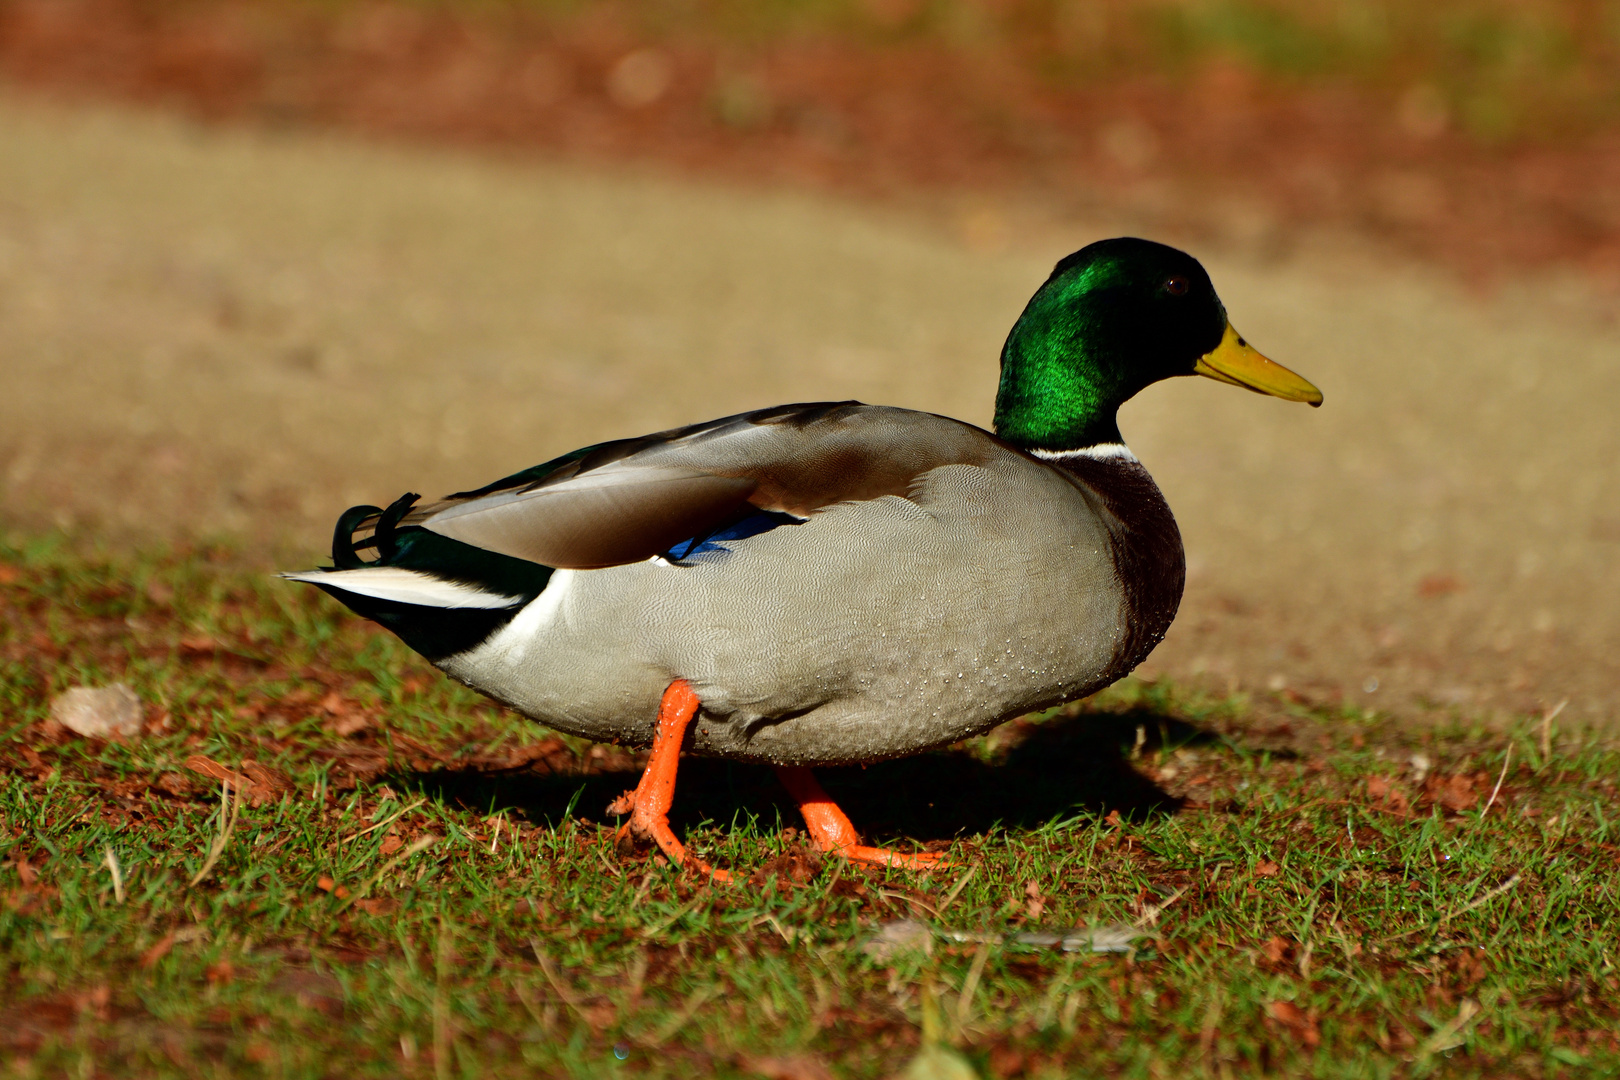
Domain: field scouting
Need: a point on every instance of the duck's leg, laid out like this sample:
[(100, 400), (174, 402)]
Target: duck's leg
[(649, 803), (832, 831)]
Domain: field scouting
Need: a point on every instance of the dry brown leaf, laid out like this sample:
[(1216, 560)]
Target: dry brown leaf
[(1456, 793), (268, 783), (1295, 1019), (1036, 906), (199, 645), (1381, 789), (212, 769), (158, 951), (259, 783), (350, 724), (789, 1067), (174, 784)]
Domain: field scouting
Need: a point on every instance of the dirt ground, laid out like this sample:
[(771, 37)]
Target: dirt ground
[(230, 333)]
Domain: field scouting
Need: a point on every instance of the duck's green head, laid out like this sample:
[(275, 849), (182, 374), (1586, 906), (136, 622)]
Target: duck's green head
[(1113, 317)]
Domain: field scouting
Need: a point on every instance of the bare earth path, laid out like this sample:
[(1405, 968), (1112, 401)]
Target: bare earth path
[(240, 334)]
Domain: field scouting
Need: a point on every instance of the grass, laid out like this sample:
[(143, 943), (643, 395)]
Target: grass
[(1498, 69), (414, 882)]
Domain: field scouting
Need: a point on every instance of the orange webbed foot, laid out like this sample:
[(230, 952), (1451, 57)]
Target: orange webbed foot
[(648, 805), (833, 832)]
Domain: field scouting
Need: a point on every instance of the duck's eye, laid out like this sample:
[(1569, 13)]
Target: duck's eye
[(1176, 286)]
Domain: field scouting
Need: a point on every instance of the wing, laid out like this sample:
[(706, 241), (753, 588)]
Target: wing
[(626, 501)]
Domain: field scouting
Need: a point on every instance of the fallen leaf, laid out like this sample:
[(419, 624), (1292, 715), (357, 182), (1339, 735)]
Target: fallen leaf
[(1265, 868), (796, 866), (268, 784), (325, 884), (174, 784), (790, 1067), (1008, 1060), (159, 950), (1294, 1018), (1037, 904), (212, 769), (1452, 792), (390, 844), (259, 783), (345, 726)]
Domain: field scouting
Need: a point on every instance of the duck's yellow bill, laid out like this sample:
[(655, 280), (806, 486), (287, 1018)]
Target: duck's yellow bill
[(1237, 362)]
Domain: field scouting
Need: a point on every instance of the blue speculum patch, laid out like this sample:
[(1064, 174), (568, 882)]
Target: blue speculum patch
[(761, 522)]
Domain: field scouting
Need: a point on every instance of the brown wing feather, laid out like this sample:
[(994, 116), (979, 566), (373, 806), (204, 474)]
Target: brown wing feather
[(640, 497), (633, 515)]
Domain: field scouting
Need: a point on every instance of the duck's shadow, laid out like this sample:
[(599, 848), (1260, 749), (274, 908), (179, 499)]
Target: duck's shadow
[(1056, 769)]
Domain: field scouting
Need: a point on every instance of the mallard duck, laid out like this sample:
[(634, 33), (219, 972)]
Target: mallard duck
[(825, 583)]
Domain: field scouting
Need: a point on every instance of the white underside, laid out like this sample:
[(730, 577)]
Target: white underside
[(407, 587), (509, 644)]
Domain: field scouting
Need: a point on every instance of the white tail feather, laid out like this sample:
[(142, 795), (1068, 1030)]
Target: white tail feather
[(406, 587)]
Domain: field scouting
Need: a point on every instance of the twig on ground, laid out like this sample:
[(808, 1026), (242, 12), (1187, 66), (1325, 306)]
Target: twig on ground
[(1449, 1036), (1470, 906), (1546, 729), (970, 986), (1507, 757), (908, 898), (527, 1000), (441, 1006), (956, 890), (389, 820), (613, 871), (117, 872), (1150, 913), (695, 1002), (228, 812), (550, 971), (421, 843), (687, 908)]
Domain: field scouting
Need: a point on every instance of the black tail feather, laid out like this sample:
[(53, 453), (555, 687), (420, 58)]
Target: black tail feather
[(344, 555), (432, 631), (385, 535)]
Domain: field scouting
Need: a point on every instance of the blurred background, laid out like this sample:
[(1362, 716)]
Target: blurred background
[(261, 259)]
